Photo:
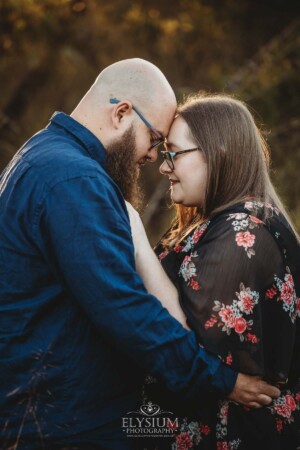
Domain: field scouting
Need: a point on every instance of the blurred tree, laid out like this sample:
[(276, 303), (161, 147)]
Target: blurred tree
[(51, 51)]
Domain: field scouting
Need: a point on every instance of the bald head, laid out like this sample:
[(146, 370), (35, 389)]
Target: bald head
[(134, 80)]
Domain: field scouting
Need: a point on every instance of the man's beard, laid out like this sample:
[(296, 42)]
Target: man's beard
[(122, 167)]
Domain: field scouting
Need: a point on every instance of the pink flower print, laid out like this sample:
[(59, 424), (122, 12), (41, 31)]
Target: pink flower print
[(252, 338), (289, 400), (228, 359), (288, 295), (210, 322), (298, 397), (245, 239), (177, 248), (194, 284), (227, 316), (197, 234), (286, 292), (271, 292), (283, 410), (255, 219), (279, 425), (162, 255), (249, 205), (222, 445), (240, 325), (205, 429), (183, 441), (289, 279), (246, 302)]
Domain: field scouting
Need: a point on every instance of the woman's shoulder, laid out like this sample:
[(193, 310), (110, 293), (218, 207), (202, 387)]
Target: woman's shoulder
[(253, 209), (251, 214), (244, 224), (243, 219), (238, 219), (258, 225)]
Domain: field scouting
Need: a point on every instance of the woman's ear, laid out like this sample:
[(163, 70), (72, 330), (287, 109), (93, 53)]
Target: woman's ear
[(120, 112)]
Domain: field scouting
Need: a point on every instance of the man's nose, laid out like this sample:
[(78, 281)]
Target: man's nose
[(152, 155)]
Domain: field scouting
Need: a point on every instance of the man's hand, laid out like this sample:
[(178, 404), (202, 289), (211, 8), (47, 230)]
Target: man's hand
[(252, 391)]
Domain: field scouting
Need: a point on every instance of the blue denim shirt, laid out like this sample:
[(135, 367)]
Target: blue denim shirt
[(77, 328)]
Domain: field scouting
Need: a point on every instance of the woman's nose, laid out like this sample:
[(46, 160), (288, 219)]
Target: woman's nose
[(165, 169)]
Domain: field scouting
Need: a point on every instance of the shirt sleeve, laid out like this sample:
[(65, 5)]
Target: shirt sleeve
[(84, 233), (239, 296)]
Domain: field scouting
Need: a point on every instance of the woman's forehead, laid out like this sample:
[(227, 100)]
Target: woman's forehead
[(179, 132)]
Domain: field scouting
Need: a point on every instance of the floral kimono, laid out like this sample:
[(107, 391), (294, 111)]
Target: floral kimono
[(238, 279)]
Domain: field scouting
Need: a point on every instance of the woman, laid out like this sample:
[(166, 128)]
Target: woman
[(233, 255)]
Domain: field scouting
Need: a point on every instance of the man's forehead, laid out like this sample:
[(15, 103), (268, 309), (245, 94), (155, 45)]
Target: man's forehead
[(164, 124)]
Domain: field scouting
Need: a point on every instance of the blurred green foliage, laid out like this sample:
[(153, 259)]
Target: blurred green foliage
[(52, 50)]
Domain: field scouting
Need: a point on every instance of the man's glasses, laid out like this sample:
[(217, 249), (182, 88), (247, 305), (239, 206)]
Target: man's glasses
[(157, 137), (169, 156)]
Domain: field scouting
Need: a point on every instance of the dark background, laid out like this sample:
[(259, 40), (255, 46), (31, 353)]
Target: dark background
[(52, 50)]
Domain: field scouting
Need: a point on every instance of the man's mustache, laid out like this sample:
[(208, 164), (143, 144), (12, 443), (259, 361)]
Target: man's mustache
[(142, 161)]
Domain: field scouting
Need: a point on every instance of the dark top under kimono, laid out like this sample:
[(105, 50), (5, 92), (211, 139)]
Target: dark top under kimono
[(238, 279)]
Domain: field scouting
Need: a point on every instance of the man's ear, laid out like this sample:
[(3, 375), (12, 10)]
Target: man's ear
[(120, 112)]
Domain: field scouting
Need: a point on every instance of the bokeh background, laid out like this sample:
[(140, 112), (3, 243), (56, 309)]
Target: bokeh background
[(52, 50)]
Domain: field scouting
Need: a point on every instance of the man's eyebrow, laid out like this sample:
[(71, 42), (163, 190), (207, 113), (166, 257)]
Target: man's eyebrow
[(158, 132)]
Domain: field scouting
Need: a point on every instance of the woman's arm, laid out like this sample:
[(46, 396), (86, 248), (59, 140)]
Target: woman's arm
[(153, 275), (249, 390)]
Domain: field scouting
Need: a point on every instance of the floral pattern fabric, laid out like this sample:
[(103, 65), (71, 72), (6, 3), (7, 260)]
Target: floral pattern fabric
[(234, 316), (239, 284)]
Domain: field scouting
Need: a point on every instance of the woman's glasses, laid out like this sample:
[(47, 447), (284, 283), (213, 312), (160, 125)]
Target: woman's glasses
[(169, 156)]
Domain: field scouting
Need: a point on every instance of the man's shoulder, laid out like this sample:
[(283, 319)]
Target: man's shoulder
[(54, 157)]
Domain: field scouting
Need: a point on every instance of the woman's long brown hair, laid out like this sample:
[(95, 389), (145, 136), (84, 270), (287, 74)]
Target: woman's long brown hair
[(237, 157)]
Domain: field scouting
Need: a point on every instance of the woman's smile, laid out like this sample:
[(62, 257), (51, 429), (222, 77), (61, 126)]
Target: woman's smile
[(173, 182)]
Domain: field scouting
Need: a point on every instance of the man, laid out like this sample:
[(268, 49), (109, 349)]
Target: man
[(78, 330)]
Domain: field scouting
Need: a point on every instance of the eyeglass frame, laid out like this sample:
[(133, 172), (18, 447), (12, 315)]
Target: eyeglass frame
[(170, 162), (161, 140)]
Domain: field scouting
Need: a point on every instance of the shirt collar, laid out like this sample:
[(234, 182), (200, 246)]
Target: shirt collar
[(90, 142)]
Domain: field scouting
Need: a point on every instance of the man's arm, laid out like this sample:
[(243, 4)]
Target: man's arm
[(84, 231)]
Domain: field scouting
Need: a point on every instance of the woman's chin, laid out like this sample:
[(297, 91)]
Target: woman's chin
[(176, 199)]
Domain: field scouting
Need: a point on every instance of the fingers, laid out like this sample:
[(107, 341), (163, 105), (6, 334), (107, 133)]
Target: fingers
[(260, 401), (254, 405), (263, 393), (253, 392), (256, 400), (268, 390), (264, 400)]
